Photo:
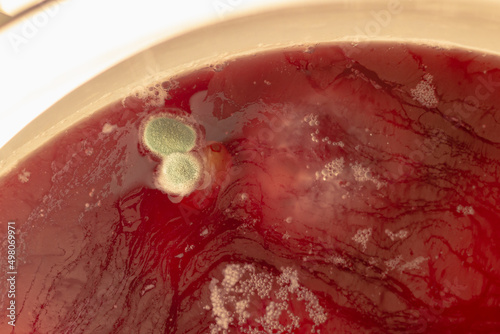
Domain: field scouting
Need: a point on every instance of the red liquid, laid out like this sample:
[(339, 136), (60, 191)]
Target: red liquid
[(354, 190)]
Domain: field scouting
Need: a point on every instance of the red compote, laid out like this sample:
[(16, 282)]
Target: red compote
[(327, 189)]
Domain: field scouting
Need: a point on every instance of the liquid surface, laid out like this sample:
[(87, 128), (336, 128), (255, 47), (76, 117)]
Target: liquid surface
[(341, 189)]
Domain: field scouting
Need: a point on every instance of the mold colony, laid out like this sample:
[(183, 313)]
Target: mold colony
[(172, 140), (328, 189)]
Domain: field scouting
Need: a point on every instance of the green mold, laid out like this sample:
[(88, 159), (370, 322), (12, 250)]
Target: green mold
[(179, 173), (164, 136)]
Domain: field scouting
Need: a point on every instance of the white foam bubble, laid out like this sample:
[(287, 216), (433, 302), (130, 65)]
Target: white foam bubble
[(153, 95), (243, 287), (392, 263), (108, 128), (466, 210), (332, 169), (337, 260), (232, 274), (311, 119), (363, 174), (24, 176), (222, 316), (425, 92), (362, 237), (413, 264), (394, 236)]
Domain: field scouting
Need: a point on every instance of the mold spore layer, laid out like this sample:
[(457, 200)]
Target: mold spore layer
[(179, 174), (173, 140), (165, 135)]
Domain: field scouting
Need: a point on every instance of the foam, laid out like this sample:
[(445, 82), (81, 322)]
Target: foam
[(237, 301), (108, 128), (153, 95), (425, 92), (332, 169), (466, 210), (24, 176), (165, 135), (362, 237), (364, 174), (414, 264), (394, 236), (179, 174)]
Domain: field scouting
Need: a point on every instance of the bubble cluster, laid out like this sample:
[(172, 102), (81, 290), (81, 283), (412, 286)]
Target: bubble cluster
[(466, 210), (391, 264), (398, 264), (362, 237), (364, 174), (331, 169), (394, 236), (337, 260), (249, 300), (152, 95), (414, 264), (311, 119), (108, 128), (425, 92), (24, 176)]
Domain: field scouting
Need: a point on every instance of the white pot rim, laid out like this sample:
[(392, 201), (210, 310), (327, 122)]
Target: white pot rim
[(40, 70)]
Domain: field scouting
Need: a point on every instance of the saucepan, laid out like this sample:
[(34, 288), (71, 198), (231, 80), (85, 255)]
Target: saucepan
[(431, 264)]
